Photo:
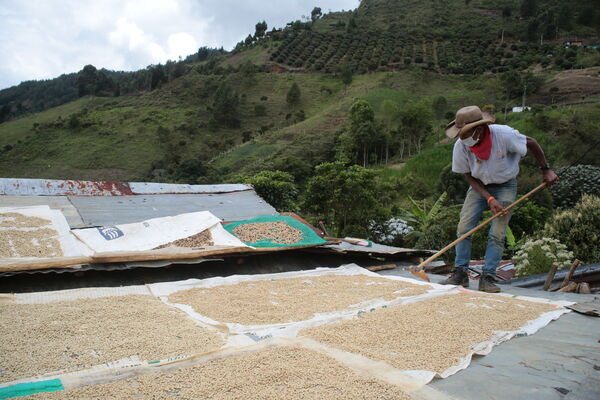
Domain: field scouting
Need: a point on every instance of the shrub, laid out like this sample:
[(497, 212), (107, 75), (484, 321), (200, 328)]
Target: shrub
[(579, 228), (440, 232), (574, 182), (260, 110), (277, 188), (537, 256), (527, 219)]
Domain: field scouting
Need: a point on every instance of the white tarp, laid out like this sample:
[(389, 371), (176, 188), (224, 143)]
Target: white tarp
[(288, 329), (70, 246), (149, 234), (251, 338)]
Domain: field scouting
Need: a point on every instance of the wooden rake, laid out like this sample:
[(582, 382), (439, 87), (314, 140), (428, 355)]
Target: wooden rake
[(419, 271)]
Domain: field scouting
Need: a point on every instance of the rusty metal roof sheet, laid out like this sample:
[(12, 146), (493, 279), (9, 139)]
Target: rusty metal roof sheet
[(49, 187)]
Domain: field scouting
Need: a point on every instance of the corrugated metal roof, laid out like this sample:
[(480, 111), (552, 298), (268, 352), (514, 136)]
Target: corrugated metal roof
[(60, 203), (375, 249), (88, 204), (157, 188), (49, 187), (235, 206)]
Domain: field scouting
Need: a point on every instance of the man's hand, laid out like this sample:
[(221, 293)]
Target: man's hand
[(497, 208), (550, 177)]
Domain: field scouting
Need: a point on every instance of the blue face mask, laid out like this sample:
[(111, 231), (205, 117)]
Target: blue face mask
[(469, 141)]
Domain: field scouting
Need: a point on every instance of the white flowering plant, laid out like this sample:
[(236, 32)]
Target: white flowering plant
[(536, 256)]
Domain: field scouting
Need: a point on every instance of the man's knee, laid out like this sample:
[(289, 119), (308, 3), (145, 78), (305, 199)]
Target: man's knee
[(498, 232)]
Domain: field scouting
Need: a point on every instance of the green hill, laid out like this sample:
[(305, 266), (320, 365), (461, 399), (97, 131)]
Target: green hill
[(217, 115)]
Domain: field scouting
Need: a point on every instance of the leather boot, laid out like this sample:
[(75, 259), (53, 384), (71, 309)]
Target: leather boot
[(487, 284), (459, 277)]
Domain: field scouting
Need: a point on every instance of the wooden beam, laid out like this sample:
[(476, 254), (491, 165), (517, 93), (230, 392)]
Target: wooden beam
[(550, 276)]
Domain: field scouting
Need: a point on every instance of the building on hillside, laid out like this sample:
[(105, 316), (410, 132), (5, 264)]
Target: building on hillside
[(573, 43)]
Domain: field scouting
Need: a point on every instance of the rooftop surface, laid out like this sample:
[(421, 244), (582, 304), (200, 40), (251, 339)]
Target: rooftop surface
[(88, 204), (561, 361)]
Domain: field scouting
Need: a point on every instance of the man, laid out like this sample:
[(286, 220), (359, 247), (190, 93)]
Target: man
[(488, 155)]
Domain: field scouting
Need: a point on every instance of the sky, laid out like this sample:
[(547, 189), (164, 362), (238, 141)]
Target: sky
[(42, 39)]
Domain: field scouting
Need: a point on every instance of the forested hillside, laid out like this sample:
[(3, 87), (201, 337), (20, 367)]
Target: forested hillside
[(451, 37)]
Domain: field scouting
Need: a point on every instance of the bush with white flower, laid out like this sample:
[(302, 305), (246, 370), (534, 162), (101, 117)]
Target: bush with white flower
[(536, 256)]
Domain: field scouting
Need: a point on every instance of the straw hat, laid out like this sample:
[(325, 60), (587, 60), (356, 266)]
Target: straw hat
[(468, 118)]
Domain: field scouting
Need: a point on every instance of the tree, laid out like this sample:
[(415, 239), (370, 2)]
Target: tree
[(277, 188), (247, 70), (517, 84), (346, 75), (158, 76), (439, 106), (249, 40), (351, 27), (420, 218), (203, 53), (528, 8), (293, 95), (5, 111), (189, 171), (346, 198), (315, 14), (415, 124), (261, 28), (389, 112), (87, 80), (225, 106), (565, 17), (362, 136), (453, 184)]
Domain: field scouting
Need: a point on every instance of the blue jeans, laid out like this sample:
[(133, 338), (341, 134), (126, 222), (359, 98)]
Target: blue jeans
[(474, 205)]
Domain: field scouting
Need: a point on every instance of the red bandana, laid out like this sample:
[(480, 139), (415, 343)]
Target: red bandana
[(483, 149)]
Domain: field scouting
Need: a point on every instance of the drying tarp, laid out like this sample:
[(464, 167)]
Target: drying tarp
[(152, 233), (309, 237), (38, 235), (244, 339)]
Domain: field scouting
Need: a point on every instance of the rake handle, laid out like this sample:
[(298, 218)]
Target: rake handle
[(478, 227)]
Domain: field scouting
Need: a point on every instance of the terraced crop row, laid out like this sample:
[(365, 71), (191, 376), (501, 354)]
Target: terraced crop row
[(321, 52)]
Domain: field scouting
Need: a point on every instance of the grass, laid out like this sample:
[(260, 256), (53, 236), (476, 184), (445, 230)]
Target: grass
[(427, 165)]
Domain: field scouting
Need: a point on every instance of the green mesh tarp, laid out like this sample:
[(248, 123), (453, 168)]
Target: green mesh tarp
[(309, 237)]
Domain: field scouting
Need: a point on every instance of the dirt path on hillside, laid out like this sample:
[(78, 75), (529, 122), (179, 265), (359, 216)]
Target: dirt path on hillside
[(397, 166)]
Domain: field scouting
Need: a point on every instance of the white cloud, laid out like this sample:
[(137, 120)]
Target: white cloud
[(43, 39), (181, 43)]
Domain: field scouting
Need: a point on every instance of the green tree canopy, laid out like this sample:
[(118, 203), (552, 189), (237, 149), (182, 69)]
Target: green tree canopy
[(277, 188), (415, 123), (315, 14), (261, 28), (345, 198), (346, 75), (293, 95), (362, 136), (528, 8), (439, 106), (225, 106)]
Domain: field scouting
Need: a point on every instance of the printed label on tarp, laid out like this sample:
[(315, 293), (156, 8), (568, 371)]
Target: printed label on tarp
[(110, 232)]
